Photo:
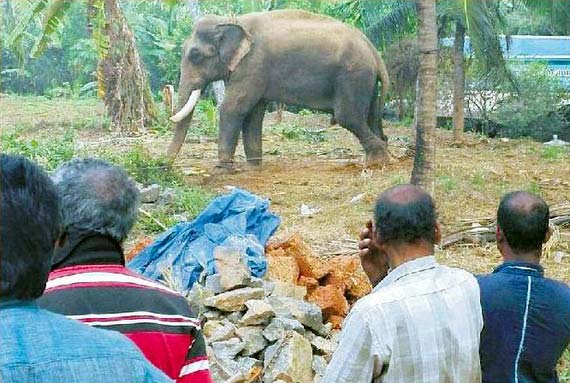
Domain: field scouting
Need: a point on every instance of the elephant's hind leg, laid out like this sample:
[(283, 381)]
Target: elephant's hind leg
[(352, 113), (252, 135)]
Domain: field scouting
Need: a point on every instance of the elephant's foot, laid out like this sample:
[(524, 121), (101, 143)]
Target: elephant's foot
[(377, 159), (225, 168), (254, 165)]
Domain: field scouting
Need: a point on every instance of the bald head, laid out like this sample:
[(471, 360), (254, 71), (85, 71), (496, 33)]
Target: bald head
[(405, 214), (523, 219)]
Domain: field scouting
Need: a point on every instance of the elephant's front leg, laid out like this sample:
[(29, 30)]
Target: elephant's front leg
[(233, 112), (252, 135)]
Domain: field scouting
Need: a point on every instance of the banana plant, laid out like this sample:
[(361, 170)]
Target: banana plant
[(126, 95)]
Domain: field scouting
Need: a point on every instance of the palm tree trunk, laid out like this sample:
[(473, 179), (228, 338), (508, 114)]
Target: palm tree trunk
[(426, 97), (458, 83), (127, 97)]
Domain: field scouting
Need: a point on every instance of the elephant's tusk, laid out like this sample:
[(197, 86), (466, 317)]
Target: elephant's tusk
[(188, 107)]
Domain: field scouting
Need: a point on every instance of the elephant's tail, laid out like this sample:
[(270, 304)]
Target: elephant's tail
[(384, 78)]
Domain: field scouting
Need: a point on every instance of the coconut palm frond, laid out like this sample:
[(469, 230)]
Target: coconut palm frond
[(388, 21), (557, 11), (483, 23)]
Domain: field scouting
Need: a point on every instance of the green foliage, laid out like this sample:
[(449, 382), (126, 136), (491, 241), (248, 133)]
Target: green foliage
[(447, 183), (402, 62), (147, 168), (479, 181), (189, 201), (533, 187), (51, 22), (528, 110), (208, 117), (296, 133), (49, 154), (556, 153), (161, 31)]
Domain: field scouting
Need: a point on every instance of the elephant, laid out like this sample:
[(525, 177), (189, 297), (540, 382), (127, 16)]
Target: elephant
[(286, 56)]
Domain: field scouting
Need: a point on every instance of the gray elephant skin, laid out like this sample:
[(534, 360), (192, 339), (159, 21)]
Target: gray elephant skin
[(286, 56)]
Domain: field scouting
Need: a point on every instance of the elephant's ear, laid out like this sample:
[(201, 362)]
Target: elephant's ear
[(234, 42)]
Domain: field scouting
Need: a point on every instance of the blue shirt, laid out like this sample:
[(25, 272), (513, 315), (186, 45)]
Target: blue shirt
[(37, 346), (526, 324)]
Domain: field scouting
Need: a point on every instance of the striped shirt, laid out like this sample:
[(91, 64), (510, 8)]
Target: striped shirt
[(420, 324), (157, 319)]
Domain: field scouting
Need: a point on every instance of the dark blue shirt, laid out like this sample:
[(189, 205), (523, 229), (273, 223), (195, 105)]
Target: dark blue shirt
[(526, 324)]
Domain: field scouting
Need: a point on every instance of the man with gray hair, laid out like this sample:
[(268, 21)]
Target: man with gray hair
[(90, 283)]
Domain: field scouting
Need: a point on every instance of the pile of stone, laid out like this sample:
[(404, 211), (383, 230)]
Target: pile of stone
[(258, 330), (333, 284)]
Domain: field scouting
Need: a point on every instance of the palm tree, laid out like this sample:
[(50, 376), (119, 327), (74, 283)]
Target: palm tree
[(426, 96), (483, 21), (389, 21), (556, 12), (120, 72)]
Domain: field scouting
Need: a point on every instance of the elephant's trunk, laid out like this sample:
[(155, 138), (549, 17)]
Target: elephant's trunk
[(182, 119)]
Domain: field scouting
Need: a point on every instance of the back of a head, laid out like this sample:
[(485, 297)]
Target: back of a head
[(30, 224), (523, 219), (97, 198), (405, 214)]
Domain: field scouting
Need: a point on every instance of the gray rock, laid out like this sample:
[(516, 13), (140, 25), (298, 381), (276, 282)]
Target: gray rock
[(197, 297), (257, 282), (317, 379), (253, 339), (323, 346), (212, 315), (282, 289), (247, 363), (235, 317), (307, 313), (335, 336), (166, 196), (220, 331), (228, 349), (278, 326), (325, 329), (150, 193), (258, 312), (213, 284), (289, 359), (221, 369), (268, 286), (319, 365), (309, 335), (234, 300), (231, 267)]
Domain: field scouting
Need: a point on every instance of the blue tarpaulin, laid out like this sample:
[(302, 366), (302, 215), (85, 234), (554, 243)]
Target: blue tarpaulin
[(239, 220)]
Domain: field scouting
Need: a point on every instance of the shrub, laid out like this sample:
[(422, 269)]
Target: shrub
[(532, 109)]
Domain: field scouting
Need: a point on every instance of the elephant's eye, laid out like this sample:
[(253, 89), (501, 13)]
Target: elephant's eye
[(195, 56)]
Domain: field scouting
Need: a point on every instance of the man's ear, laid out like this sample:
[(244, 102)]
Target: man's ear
[(437, 233), (499, 236), (548, 235), (234, 43)]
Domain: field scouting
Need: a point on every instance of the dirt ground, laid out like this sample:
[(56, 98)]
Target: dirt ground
[(308, 162)]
